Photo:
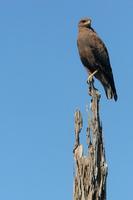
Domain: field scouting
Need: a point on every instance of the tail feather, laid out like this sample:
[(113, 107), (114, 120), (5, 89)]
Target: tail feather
[(109, 85), (110, 92)]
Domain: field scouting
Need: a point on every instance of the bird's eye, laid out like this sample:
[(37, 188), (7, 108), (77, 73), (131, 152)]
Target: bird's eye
[(83, 21)]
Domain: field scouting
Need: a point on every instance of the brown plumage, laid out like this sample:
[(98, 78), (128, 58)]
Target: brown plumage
[(94, 56)]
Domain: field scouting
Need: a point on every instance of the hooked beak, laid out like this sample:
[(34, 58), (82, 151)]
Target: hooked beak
[(87, 23)]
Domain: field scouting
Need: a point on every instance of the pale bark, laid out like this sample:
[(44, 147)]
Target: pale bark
[(91, 169)]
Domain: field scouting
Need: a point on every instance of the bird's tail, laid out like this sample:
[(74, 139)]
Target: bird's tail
[(110, 89), (109, 86), (110, 93)]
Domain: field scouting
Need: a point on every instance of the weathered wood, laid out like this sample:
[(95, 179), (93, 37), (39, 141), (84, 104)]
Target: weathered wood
[(90, 170)]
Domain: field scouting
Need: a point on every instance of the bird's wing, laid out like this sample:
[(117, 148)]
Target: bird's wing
[(100, 53)]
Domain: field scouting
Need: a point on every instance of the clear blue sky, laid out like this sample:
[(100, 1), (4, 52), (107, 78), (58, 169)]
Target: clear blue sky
[(42, 82)]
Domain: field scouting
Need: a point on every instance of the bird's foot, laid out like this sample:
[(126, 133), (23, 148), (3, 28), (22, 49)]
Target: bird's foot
[(90, 77)]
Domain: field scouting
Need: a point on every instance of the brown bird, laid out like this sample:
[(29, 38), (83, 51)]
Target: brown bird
[(94, 56)]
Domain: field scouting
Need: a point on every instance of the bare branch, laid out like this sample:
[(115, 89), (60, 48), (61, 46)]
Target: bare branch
[(91, 170)]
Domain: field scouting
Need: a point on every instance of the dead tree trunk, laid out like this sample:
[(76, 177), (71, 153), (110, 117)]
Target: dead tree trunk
[(90, 170)]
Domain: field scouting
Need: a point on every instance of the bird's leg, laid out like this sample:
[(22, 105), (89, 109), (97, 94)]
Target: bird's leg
[(90, 77), (90, 81)]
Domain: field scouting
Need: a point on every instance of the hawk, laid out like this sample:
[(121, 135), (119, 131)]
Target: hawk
[(94, 56)]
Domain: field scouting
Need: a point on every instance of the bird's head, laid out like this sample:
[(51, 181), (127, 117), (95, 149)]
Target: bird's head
[(85, 22)]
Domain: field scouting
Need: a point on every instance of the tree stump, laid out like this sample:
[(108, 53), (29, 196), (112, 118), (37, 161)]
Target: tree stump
[(91, 169)]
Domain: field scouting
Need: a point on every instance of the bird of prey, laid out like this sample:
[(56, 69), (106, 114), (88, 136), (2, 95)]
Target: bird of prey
[(94, 56)]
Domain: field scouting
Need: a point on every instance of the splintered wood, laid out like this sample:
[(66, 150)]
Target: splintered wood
[(90, 170)]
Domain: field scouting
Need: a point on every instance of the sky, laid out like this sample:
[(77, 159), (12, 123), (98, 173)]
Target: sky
[(42, 83)]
